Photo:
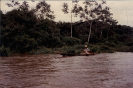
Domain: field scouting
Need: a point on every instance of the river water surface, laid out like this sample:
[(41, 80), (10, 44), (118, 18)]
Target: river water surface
[(104, 70)]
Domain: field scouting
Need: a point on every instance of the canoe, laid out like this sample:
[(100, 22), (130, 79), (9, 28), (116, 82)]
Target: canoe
[(73, 54)]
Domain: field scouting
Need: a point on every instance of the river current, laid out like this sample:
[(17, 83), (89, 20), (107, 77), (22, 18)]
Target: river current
[(105, 70)]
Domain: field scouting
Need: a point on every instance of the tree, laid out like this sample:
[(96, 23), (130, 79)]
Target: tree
[(20, 32), (90, 12), (107, 20), (65, 10), (42, 9)]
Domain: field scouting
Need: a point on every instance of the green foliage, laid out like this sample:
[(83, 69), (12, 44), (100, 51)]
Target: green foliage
[(83, 38), (94, 49), (70, 41), (4, 51), (42, 50), (111, 44), (129, 43), (70, 50), (78, 51), (54, 42), (105, 48), (111, 39), (131, 49), (79, 47), (123, 48), (23, 44)]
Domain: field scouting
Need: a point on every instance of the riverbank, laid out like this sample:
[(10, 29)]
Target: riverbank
[(97, 48)]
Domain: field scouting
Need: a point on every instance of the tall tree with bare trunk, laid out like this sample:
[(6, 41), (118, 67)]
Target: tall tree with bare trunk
[(90, 11)]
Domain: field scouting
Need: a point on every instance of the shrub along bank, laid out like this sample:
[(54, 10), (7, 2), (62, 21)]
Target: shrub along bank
[(99, 48)]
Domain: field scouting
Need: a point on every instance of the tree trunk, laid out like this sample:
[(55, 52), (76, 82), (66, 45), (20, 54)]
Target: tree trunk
[(89, 32), (71, 24)]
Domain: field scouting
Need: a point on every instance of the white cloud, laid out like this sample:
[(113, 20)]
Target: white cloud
[(122, 11)]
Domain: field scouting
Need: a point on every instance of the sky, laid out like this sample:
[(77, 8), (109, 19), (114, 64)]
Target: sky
[(122, 10)]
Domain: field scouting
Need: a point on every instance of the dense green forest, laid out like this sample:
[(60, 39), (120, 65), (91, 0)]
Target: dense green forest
[(22, 31)]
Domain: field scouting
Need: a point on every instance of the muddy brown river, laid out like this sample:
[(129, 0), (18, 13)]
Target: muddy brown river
[(106, 70)]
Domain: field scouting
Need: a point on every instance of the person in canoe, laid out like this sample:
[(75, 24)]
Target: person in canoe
[(86, 50)]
